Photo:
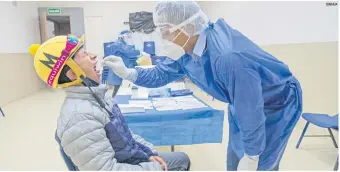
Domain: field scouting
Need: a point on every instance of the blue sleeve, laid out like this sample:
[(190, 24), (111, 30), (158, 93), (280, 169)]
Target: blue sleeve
[(146, 150), (248, 103), (147, 147), (162, 74)]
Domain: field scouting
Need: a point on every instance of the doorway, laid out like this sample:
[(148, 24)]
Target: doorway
[(56, 21), (58, 25)]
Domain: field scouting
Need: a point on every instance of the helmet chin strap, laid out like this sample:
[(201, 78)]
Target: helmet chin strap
[(88, 83)]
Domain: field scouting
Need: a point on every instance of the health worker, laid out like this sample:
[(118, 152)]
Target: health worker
[(265, 99)]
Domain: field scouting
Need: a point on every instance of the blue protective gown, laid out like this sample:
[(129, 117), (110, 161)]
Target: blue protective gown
[(265, 99)]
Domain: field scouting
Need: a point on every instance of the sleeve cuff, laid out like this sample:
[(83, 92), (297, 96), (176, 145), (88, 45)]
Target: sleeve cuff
[(132, 76), (255, 157), (152, 153)]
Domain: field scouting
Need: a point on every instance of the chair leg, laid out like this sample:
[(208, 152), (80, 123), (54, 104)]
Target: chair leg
[(303, 134), (172, 148), (336, 164), (332, 136), (2, 112)]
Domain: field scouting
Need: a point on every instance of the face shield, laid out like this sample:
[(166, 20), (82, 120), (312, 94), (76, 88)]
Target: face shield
[(171, 49), (184, 15), (189, 27)]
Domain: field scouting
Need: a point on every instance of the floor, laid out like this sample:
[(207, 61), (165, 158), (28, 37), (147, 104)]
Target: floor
[(27, 139)]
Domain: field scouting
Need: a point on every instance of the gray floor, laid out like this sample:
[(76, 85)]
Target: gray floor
[(27, 139)]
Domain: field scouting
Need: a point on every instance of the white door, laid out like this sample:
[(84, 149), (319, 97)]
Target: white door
[(43, 27), (50, 29)]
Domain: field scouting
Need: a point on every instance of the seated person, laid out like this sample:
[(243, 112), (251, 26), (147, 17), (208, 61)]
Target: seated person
[(91, 129)]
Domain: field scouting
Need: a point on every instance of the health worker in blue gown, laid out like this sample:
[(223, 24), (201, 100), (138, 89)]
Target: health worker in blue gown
[(265, 99)]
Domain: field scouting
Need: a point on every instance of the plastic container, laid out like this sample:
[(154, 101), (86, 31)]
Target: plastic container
[(160, 92), (165, 92), (134, 91)]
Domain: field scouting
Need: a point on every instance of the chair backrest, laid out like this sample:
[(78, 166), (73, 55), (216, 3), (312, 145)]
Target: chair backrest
[(105, 74), (67, 160), (149, 47), (336, 121)]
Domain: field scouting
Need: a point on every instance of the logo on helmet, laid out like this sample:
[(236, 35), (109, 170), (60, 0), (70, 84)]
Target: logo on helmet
[(56, 68), (49, 63)]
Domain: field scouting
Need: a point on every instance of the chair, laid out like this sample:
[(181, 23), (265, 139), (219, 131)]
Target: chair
[(2, 112), (336, 164), (323, 121), (67, 160), (105, 74)]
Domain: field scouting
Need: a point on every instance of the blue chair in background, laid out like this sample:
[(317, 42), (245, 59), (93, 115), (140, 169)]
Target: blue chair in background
[(67, 160), (323, 121), (105, 74), (2, 112), (157, 59), (127, 52), (149, 47), (336, 164)]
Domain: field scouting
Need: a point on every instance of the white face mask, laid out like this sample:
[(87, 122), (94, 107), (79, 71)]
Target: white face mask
[(173, 50)]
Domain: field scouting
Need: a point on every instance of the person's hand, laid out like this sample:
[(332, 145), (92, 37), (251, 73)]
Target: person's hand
[(248, 163), (159, 160), (117, 65)]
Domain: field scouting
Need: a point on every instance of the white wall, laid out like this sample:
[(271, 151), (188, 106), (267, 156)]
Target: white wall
[(264, 22), (19, 27), (278, 22), (315, 65), (104, 20)]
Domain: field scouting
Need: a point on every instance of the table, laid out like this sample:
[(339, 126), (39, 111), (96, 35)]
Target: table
[(180, 127)]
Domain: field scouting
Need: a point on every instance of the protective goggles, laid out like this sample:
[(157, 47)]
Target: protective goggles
[(166, 29)]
